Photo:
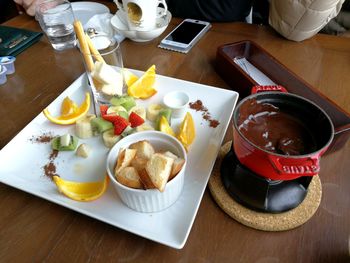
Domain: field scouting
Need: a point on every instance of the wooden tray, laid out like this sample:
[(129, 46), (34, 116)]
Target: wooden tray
[(241, 82)]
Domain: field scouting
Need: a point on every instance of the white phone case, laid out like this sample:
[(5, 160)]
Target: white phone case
[(182, 47)]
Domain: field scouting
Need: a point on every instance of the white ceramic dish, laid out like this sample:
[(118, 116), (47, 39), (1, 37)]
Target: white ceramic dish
[(118, 22), (83, 11), (23, 169), (150, 200)]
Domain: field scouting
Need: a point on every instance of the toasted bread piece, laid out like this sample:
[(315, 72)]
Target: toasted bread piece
[(170, 154), (158, 169), (144, 149), (146, 180), (129, 177), (176, 168), (139, 163), (125, 157), (177, 165)]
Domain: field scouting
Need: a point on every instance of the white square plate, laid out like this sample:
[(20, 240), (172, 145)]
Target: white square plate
[(22, 161)]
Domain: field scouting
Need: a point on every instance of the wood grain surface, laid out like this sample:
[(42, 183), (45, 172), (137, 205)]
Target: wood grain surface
[(35, 230)]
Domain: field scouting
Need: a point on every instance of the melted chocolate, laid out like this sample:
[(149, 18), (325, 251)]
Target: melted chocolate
[(268, 127)]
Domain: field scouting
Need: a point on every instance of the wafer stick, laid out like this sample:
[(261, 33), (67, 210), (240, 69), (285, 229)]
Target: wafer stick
[(78, 28), (96, 54), (93, 49)]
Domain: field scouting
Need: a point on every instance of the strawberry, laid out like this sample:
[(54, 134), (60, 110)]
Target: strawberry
[(103, 109), (112, 117), (119, 124), (135, 120)]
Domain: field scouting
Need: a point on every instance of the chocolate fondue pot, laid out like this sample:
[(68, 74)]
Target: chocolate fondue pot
[(280, 136)]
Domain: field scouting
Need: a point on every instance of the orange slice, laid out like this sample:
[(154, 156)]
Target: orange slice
[(68, 106), (187, 132), (130, 78), (143, 87), (165, 127), (70, 118), (78, 191)]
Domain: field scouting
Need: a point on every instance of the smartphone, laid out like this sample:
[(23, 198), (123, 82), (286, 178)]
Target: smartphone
[(185, 35)]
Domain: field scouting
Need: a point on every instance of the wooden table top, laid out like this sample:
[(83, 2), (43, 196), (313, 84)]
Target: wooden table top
[(35, 230)]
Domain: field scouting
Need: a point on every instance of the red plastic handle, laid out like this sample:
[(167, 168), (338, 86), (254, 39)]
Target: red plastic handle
[(290, 167), (257, 89)]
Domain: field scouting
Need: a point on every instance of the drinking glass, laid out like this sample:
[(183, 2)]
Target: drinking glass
[(56, 19), (104, 69)]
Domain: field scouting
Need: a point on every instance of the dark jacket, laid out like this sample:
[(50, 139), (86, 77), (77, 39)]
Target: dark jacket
[(211, 10)]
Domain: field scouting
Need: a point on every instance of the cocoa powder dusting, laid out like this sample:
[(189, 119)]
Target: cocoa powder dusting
[(198, 106), (53, 155), (43, 138), (50, 167), (214, 123), (50, 170)]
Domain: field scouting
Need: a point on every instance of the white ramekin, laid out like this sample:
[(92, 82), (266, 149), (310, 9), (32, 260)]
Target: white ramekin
[(177, 101), (150, 200)]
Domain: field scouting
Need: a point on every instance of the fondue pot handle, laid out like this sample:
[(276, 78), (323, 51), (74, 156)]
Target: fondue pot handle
[(258, 88), (290, 168)]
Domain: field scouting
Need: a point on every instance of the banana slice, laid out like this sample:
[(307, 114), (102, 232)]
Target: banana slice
[(83, 150), (115, 109), (144, 127), (153, 111), (139, 110), (83, 128), (109, 138), (65, 140)]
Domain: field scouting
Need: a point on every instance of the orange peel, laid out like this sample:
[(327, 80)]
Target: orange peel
[(71, 116), (81, 191)]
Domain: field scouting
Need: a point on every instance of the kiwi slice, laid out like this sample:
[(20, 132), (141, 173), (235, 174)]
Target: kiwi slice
[(126, 101), (99, 125), (166, 113), (56, 143), (123, 114), (118, 100), (128, 104)]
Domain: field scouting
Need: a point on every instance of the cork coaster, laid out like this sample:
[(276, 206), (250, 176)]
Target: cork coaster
[(258, 220)]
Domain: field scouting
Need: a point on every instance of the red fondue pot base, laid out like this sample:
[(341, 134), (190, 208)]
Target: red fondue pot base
[(259, 193)]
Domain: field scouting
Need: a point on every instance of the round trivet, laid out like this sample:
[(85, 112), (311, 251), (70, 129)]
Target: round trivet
[(264, 221)]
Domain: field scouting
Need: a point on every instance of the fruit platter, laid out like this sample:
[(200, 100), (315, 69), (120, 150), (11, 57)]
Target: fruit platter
[(57, 176)]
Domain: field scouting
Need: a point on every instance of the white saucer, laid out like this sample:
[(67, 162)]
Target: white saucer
[(119, 24), (83, 11)]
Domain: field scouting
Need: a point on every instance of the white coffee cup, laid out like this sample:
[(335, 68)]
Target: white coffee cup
[(142, 14)]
